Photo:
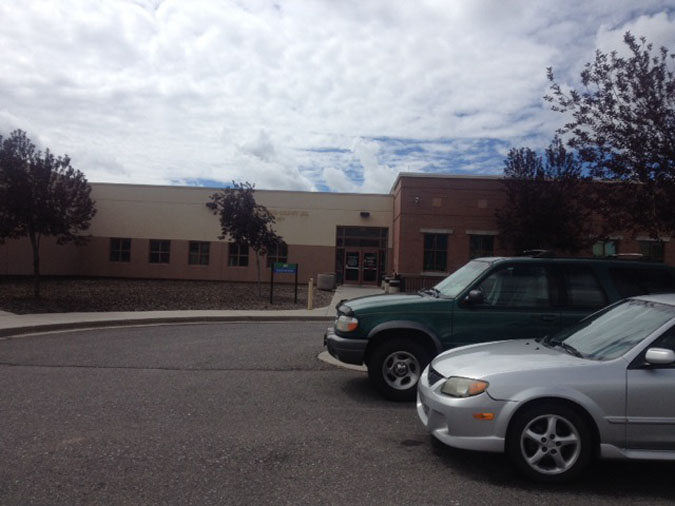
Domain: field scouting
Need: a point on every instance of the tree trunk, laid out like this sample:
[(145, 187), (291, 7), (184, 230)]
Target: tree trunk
[(35, 243)]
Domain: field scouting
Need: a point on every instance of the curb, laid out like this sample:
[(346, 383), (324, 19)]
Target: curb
[(133, 322)]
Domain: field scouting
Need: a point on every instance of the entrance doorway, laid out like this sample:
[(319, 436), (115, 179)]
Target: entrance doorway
[(361, 266), (360, 255)]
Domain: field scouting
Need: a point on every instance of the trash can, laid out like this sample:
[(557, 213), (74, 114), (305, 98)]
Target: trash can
[(394, 286), (385, 283), (325, 281)]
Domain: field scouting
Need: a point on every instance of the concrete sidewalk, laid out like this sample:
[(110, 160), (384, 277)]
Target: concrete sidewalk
[(13, 324)]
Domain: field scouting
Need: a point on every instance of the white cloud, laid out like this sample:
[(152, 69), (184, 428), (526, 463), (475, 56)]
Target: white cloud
[(296, 94)]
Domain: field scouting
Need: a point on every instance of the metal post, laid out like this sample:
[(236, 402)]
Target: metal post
[(310, 294)]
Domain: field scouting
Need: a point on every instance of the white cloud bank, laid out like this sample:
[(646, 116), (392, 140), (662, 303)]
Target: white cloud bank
[(298, 94)]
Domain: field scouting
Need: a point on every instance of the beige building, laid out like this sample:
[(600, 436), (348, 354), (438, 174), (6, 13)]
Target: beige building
[(428, 226), (168, 232)]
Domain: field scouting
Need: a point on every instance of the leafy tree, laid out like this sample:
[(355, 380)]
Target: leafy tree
[(546, 201), (41, 195), (244, 221), (623, 127)]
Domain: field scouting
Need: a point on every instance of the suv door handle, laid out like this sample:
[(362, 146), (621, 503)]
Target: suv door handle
[(548, 317)]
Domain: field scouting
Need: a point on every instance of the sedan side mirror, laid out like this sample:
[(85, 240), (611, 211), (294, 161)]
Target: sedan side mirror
[(660, 356), (474, 297)]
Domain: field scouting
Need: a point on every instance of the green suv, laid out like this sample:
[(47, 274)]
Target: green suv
[(488, 299)]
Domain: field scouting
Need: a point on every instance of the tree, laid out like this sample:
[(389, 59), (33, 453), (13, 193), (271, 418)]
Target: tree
[(41, 195), (546, 201), (623, 127), (244, 221)]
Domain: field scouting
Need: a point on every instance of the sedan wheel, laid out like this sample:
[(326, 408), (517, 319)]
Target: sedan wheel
[(550, 442)]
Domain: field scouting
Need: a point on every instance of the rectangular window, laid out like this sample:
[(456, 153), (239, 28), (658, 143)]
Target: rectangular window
[(120, 250), (159, 251), (198, 253), (481, 246), (583, 289), (652, 250), (238, 255), (278, 253), (605, 248), (435, 252)]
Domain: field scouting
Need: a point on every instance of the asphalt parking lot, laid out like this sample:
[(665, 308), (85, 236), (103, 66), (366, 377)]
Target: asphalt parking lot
[(241, 414)]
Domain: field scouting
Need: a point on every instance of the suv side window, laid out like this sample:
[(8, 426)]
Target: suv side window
[(517, 286), (582, 288), (630, 282)]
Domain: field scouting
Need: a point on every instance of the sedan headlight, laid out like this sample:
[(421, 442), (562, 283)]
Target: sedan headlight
[(346, 323), (463, 387)]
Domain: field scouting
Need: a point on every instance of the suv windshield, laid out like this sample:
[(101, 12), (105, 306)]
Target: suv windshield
[(461, 278), (613, 331)]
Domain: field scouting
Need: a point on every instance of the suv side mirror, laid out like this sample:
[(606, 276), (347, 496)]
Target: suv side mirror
[(660, 356), (474, 297)]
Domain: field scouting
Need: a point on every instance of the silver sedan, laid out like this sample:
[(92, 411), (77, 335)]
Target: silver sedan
[(605, 387)]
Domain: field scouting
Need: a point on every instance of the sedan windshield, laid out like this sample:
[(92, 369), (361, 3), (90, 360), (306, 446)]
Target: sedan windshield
[(613, 331), (461, 278)]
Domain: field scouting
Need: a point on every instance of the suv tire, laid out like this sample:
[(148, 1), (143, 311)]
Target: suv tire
[(395, 367)]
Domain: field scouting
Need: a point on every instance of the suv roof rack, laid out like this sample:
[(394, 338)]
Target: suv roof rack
[(627, 256), (538, 253)]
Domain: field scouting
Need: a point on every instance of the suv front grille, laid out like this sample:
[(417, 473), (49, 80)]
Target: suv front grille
[(434, 376)]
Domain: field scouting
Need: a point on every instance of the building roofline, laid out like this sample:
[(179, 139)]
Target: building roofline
[(217, 188), (402, 175)]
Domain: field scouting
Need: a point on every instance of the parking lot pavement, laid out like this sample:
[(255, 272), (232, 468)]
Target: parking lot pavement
[(240, 413)]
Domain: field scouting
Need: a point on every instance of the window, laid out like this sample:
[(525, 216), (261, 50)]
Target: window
[(631, 281), (159, 251), (198, 253), (481, 246), (605, 248), (278, 253), (583, 289), (238, 255), (435, 252), (652, 250), (120, 250), (517, 287)]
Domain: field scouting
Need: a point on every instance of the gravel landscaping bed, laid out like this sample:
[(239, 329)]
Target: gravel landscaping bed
[(67, 295)]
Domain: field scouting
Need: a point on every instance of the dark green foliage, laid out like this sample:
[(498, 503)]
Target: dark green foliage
[(41, 195), (623, 127), (243, 220), (547, 202)]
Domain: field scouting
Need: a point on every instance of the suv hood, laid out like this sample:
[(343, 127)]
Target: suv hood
[(391, 303)]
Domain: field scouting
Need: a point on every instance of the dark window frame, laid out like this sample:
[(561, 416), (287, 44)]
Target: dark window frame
[(277, 255), (159, 251), (120, 249), (237, 255), (435, 257), (199, 252), (478, 251), (652, 250)]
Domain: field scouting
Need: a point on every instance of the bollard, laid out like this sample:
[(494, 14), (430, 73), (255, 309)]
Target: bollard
[(310, 294)]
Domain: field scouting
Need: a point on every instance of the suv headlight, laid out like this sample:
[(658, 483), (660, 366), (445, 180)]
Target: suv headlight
[(463, 387), (346, 323)]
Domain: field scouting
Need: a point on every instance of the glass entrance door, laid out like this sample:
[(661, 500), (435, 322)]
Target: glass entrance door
[(352, 267), (361, 266)]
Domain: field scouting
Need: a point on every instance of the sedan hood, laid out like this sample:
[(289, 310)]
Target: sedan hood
[(481, 361)]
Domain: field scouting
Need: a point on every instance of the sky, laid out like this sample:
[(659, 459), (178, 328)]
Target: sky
[(332, 95)]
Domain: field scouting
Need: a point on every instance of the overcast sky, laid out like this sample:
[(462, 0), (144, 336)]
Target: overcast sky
[(334, 95)]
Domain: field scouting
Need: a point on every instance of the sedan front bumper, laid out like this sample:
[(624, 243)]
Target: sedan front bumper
[(349, 351), (451, 420)]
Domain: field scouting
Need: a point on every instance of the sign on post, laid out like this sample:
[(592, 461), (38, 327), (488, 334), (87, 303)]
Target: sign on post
[(282, 268)]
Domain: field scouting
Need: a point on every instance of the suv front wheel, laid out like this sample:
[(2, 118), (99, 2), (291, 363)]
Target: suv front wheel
[(395, 367)]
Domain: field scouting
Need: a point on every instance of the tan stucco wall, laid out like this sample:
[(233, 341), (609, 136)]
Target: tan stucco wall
[(168, 212)]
